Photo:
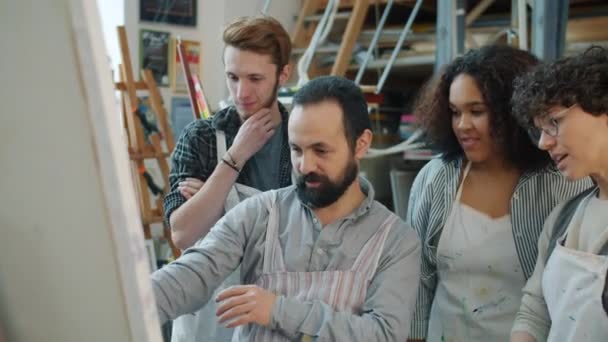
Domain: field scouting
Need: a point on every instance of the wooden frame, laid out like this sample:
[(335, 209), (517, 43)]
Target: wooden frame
[(192, 49), (175, 12), (154, 54)]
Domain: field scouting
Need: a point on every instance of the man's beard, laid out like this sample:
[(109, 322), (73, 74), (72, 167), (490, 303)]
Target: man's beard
[(327, 192), (273, 98), (268, 104)]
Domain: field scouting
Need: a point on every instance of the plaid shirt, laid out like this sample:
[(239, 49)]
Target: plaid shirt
[(195, 154)]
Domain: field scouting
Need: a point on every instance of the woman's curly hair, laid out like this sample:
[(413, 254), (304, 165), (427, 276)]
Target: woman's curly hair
[(494, 68), (581, 79)]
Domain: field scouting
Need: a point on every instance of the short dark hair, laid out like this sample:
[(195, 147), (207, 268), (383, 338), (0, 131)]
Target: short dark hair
[(260, 34), (494, 68), (580, 79), (346, 94)]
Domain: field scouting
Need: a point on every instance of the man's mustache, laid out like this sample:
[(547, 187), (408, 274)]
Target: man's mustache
[(310, 177)]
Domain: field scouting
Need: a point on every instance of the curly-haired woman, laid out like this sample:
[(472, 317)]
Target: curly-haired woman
[(566, 105), (480, 208)]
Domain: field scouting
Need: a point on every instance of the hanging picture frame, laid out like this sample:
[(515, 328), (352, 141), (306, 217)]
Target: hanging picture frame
[(154, 54), (175, 12)]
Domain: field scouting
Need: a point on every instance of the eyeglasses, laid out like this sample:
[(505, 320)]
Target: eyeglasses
[(550, 127)]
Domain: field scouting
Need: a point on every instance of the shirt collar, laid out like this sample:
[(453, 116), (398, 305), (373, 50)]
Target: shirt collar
[(366, 205)]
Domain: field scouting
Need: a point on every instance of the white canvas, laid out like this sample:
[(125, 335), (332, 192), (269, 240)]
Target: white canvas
[(73, 266)]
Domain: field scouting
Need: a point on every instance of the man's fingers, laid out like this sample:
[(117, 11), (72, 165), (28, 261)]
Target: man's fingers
[(268, 123), (190, 187), (263, 112), (259, 115), (236, 311), (189, 190), (192, 183), (185, 193), (232, 291), (230, 303), (270, 133), (241, 320), (195, 181)]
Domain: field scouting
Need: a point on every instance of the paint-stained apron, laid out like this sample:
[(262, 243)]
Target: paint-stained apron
[(480, 279), (573, 284)]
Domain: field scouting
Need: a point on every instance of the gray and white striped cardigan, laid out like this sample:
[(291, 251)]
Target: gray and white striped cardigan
[(431, 198)]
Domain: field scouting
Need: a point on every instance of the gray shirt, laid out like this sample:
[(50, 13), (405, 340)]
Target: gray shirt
[(238, 238), (264, 166)]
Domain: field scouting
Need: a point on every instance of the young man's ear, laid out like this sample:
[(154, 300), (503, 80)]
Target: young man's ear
[(285, 74), (363, 144)]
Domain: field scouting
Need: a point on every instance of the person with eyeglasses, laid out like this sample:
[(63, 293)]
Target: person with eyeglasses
[(480, 207), (565, 103)]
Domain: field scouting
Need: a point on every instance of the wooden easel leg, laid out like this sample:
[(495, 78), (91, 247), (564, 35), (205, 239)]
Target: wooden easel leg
[(147, 232), (139, 150), (167, 234)]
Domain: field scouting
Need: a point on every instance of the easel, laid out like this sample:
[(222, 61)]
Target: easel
[(139, 149)]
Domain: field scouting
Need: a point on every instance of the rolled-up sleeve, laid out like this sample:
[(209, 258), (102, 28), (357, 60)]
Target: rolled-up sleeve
[(533, 316), (386, 312)]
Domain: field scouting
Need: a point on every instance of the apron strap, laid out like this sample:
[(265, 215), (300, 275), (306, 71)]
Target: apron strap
[(368, 258), (564, 218), (464, 176), (273, 253), (232, 199), (220, 144)]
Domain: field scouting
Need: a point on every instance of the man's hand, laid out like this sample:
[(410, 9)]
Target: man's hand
[(245, 304), (252, 135), (189, 187)]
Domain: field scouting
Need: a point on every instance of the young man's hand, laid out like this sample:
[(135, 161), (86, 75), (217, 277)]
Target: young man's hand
[(245, 304), (252, 135), (189, 187)]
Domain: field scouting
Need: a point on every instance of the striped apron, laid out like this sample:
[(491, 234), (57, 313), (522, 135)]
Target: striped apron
[(344, 290)]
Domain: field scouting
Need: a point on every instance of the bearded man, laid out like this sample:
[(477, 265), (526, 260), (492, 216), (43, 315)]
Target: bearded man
[(320, 259)]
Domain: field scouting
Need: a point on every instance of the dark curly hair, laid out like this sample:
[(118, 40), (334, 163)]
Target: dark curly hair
[(494, 68), (581, 79)]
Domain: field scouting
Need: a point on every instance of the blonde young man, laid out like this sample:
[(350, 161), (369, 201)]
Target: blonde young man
[(239, 151)]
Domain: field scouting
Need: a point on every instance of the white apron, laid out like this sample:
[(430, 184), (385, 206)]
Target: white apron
[(202, 326), (573, 283), (344, 290), (480, 279)]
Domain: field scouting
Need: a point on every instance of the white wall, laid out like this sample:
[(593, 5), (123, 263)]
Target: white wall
[(112, 13), (213, 15)]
